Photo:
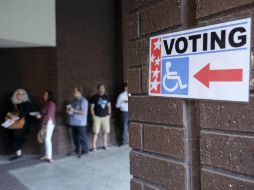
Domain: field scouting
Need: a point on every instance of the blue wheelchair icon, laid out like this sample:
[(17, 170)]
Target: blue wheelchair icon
[(175, 76)]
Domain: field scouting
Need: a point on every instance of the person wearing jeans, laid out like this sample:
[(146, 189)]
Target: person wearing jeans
[(77, 112), (122, 104), (47, 115)]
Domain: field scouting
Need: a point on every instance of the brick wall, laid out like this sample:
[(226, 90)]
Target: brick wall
[(184, 144), (88, 52)]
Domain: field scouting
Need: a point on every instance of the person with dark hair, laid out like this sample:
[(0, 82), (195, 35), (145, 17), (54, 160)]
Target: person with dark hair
[(101, 111), (77, 112), (18, 109), (122, 104), (48, 122)]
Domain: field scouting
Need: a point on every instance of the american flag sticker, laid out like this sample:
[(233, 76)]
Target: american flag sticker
[(155, 66)]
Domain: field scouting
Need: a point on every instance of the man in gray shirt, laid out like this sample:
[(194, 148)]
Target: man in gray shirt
[(77, 120)]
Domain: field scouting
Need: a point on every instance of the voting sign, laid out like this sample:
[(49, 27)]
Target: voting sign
[(211, 62)]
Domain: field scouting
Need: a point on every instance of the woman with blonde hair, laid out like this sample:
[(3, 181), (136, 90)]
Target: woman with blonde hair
[(19, 108)]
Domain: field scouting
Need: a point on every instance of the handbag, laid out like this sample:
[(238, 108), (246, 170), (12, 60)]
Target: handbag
[(19, 124), (42, 134)]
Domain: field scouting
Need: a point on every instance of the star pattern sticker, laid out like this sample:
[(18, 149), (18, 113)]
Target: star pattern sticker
[(155, 66), (154, 85), (156, 73), (152, 58), (157, 44), (157, 61)]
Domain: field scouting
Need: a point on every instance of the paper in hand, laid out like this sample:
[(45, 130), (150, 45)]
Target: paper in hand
[(35, 113), (7, 123), (68, 108)]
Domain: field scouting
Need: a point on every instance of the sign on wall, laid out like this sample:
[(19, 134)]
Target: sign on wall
[(211, 62)]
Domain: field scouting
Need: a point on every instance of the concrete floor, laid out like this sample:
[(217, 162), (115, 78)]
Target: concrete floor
[(103, 170)]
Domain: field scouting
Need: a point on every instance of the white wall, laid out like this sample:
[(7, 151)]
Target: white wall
[(27, 23)]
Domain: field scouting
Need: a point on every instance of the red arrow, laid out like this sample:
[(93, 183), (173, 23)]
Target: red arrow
[(205, 75)]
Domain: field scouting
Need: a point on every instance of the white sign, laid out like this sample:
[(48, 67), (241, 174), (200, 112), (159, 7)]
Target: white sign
[(211, 62)]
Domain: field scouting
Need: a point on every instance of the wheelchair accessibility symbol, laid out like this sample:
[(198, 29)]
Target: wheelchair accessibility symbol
[(175, 76)]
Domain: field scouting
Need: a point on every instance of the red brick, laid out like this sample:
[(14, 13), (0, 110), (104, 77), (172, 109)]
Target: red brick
[(156, 109), (135, 185), (158, 171), (137, 52), (212, 180), (132, 54), (164, 15), (169, 14), (132, 28), (228, 152), (227, 116), (145, 76), (144, 50), (135, 136), (134, 80), (149, 20), (209, 115), (134, 4), (208, 7), (165, 140)]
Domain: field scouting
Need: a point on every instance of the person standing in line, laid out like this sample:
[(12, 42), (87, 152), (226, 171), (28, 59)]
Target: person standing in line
[(122, 104), (48, 120), (77, 112), (18, 109), (101, 112)]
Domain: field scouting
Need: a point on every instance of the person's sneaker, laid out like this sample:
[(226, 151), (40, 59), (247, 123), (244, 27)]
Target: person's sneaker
[(16, 157), (94, 150)]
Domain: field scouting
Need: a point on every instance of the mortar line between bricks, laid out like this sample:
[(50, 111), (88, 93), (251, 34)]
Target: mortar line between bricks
[(231, 133), (147, 183), (225, 13), (138, 95), (139, 24), (172, 29), (137, 180), (228, 173), (142, 137), (187, 145), (176, 28), (131, 67), (145, 6), (162, 157), (157, 124)]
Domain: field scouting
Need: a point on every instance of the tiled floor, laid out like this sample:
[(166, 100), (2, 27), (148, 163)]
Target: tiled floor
[(103, 170)]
